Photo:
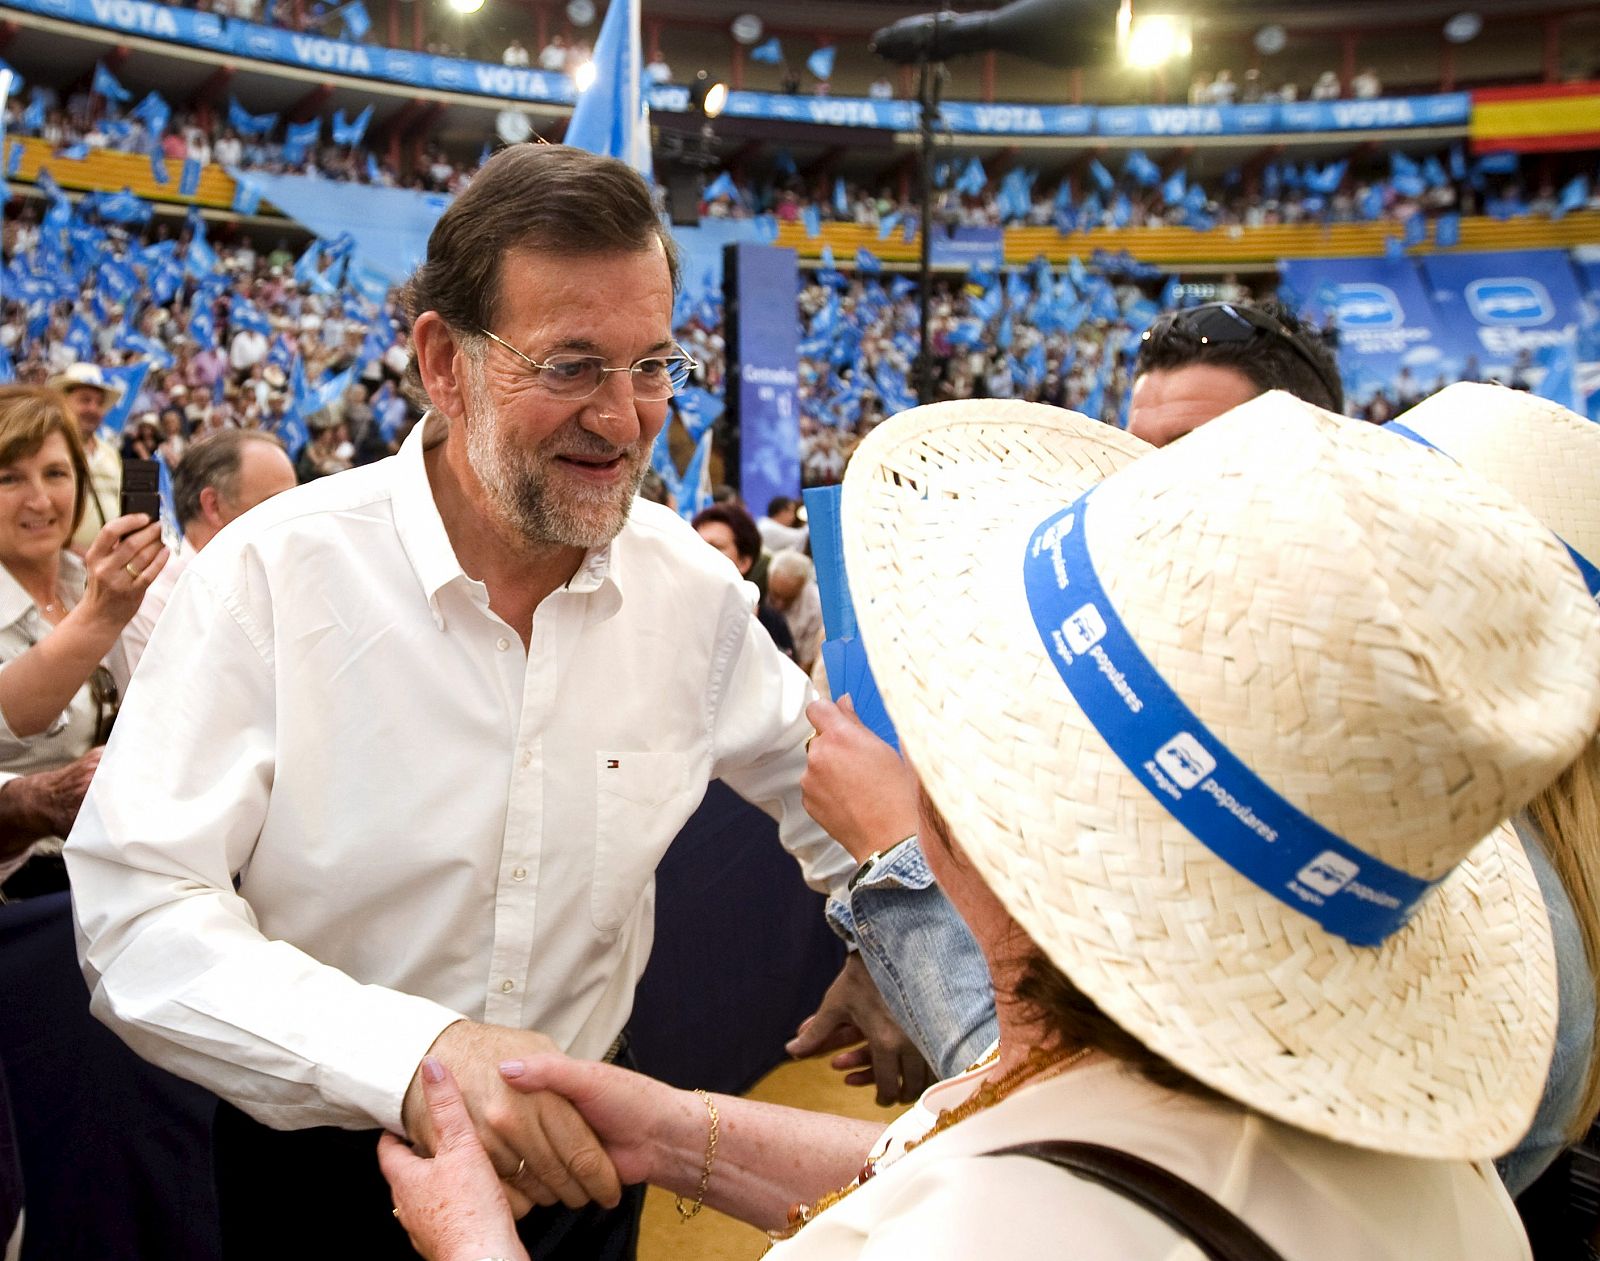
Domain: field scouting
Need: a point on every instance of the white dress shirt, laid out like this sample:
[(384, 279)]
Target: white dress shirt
[(426, 822), (136, 634), (1310, 1198)]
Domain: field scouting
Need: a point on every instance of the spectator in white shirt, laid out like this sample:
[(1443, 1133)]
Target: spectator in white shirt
[(781, 529), (515, 54), (1366, 85), (553, 56), (402, 816), (220, 478), (658, 71), (1326, 88), (881, 89), (248, 348)]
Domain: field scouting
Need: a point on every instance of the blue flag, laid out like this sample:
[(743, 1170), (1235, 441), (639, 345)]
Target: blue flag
[(131, 378), (247, 124), (158, 168), (722, 186), (812, 218), (841, 198), (768, 53), (867, 262), (105, 84), (153, 112), (242, 313), (973, 179), (1574, 196), (33, 116), (201, 259), (820, 63), (74, 152), (374, 172), (80, 338), (123, 207), (1447, 231), (610, 117), (203, 326), (189, 181), (1142, 169), (1559, 382), (298, 137), (1416, 230), (13, 158), (349, 133), (246, 197), (357, 21), (1101, 176)]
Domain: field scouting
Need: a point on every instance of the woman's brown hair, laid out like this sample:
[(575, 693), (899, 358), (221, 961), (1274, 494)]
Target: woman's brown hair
[(28, 415)]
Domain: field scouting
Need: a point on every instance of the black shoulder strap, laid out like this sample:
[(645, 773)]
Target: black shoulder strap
[(1188, 1210)]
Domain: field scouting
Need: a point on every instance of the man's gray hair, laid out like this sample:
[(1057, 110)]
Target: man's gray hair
[(789, 564), (212, 461)]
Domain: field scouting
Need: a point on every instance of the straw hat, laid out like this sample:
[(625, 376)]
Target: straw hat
[(86, 376), (1545, 457), (1397, 655)]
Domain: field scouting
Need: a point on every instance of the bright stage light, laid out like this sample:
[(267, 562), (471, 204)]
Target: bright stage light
[(583, 75), (1157, 39), (466, 6)]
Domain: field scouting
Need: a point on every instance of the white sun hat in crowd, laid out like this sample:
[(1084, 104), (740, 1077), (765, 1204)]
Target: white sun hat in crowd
[(82, 375), (1545, 456), (1233, 737)]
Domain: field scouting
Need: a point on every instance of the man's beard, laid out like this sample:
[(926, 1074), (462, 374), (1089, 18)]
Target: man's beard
[(520, 483)]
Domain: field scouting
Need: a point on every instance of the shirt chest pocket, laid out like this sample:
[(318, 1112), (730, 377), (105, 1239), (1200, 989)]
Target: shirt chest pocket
[(642, 800)]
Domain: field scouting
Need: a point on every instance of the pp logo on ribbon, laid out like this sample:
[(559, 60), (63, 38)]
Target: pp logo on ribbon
[(1083, 629), (1185, 760), (1327, 873)]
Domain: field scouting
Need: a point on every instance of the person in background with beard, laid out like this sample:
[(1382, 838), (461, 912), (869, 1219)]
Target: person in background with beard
[(472, 693)]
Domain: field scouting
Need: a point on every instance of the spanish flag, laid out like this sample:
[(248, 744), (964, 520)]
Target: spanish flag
[(1538, 118)]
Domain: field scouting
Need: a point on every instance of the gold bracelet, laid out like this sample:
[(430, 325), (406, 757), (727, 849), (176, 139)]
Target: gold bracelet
[(684, 1214)]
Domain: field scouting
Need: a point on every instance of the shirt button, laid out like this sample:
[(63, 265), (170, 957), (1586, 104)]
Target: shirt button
[(519, 873), (502, 644), (507, 986), (527, 758)]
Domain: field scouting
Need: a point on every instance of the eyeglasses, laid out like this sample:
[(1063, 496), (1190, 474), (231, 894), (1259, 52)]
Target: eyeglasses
[(570, 378), (1224, 323)]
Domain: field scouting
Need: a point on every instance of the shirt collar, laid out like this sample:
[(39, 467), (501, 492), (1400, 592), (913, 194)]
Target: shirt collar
[(16, 603), (427, 545)]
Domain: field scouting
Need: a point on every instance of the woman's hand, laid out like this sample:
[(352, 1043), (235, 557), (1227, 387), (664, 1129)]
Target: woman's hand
[(452, 1206), (638, 1119), (122, 562), (855, 785)]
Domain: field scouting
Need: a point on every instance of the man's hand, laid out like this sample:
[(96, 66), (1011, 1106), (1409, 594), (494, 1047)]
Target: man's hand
[(453, 1207), (855, 785), (44, 803), (538, 1144), (853, 1010)]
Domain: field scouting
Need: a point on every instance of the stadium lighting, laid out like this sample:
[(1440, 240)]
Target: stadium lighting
[(583, 75), (466, 6), (707, 95), (1156, 39)]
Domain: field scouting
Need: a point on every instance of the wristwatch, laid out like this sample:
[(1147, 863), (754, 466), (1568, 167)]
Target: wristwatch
[(871, 861)]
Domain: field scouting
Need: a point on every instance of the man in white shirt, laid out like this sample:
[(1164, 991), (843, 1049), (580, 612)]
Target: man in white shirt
[(425, 730), (792, 591), (781, 529), (220, 478)]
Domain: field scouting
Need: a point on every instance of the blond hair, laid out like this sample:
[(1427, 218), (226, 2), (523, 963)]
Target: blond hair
[(28, 415), (1568, 813)]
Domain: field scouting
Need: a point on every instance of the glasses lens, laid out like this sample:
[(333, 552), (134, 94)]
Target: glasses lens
[(660, 378), (1224, 324), (571, 376)]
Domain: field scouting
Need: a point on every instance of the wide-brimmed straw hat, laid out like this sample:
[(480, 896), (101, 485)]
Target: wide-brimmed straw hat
[(1333, 656), (1544, 456), (86, 376)]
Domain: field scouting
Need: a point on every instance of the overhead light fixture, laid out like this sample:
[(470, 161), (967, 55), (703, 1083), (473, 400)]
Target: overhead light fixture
[(707, 95), (1271, 40), (747, 29), (583, 74), (466, 6), (580, 12), (1463, 28), (1157, 39)]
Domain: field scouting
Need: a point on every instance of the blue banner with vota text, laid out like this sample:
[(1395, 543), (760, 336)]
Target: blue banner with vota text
[(967, 247), (1389, 337), (763, 362), (1502, 309), (452, 74)]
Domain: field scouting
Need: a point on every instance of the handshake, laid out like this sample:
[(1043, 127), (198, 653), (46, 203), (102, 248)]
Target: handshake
[(509, 1123)]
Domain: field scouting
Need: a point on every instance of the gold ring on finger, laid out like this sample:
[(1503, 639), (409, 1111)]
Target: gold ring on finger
[(521, 1165), (809, 739), (132, 572)]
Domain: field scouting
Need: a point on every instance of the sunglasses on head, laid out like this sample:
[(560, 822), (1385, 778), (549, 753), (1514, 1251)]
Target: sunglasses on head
[(1224, 323)]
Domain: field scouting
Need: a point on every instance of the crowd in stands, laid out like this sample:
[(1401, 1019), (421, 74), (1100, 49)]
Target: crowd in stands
[(233, 335), (1399, 190), (1251, 88)]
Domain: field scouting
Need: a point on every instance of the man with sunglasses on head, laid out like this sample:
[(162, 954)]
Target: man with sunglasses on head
[(426, 729), (1197, 363)]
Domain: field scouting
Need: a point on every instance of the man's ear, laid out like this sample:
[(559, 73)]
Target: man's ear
[(441, 363), (211, 508)]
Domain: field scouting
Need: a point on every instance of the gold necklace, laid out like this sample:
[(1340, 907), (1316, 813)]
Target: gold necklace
[(985, 1096)]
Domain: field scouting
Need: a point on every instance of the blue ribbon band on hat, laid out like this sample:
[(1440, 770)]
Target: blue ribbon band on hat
[(1586, 567), (1185, 767)]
